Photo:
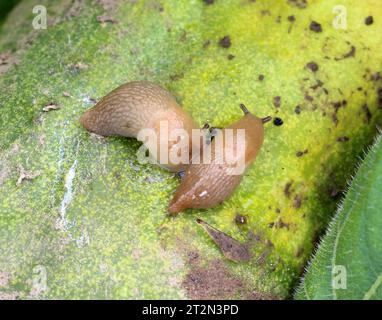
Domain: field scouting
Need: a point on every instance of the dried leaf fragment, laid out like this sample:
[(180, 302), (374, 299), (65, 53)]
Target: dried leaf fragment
[(231, 248)]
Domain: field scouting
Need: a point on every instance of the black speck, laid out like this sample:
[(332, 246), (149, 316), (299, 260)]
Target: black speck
[(318, 84), (350, 54), (368, 114), (308, 97), (231, 57), (335, 118), (225, 42), (278, 121), (315, 26), (261, 77), (297, 110), (208, 2), (291, 18), (380, 98), (376, 76), (312, 66), (277, 101), (343, 139), (369, 20), (301, 153), (336, 106)]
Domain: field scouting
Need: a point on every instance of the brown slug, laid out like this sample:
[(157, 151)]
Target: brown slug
[(205, 185), (139, 105)]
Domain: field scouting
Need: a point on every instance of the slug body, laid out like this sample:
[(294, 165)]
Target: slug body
[(141, 105), (206, 185)]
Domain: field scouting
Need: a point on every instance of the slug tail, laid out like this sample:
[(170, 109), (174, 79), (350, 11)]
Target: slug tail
[(85, 121)]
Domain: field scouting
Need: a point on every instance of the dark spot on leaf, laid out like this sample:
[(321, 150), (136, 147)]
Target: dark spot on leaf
[(369, 20), (291, 18), (297, 201), (261, 77), (208, 2), (265, 12), (367, 112), (315, 26), (225, 42), (287, 189), (336, 106), (380, 98), (334, 192), (301, 153), (308, 97), (297, 110), (343, 139), (376, 76), (335, 119), (231, 57), (318, 84), (281, 224), (350, 54), (277, 101), (312, 66), (301, 4)]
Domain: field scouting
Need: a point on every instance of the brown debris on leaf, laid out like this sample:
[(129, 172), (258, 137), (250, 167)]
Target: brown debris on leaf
[(105, 19), (343, 139), (111, 5), (301, 4), (50, 106), (288, 189), (212, 282), (349, 54), (7, 60), (231, 248), (26, 175), (76, 67)]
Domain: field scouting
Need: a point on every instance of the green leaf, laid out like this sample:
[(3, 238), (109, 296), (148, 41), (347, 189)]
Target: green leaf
[(348, 263), (93, 221)]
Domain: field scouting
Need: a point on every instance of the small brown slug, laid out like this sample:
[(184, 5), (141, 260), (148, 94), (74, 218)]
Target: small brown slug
[(141, 105), (205, 185)]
